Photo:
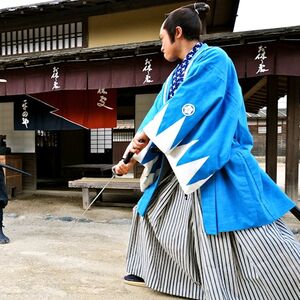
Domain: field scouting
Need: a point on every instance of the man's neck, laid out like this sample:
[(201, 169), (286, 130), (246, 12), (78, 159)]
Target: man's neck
[(186, 47)]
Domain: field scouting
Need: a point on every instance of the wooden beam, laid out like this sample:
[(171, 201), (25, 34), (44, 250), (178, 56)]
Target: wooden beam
[(272, 121), (292, 138), (259, 85)]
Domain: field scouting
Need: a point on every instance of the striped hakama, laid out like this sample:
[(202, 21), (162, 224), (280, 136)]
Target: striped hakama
[(169, 249)]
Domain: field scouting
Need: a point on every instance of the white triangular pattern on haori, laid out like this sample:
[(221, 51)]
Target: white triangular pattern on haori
[(165, 139), (145, 181), (186, 172), (139, 157), (147, 178), (152, 127), (148, 166), (188, 189), (176, 154)]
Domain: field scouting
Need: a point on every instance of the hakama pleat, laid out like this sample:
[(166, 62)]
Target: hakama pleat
[(169, 249)]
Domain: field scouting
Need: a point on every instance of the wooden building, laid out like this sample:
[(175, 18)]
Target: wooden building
[(65, 61), (258, 127)]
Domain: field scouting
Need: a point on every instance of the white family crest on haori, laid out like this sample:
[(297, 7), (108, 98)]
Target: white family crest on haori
[(188, 109), (174, 153)]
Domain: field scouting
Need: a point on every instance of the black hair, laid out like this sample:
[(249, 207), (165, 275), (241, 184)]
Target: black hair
[(188, 18)]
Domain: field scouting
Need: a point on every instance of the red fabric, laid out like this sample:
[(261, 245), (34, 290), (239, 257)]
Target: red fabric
[(92, 75), (99, 75), (82, 107), (75, 77), (35, 81), (123, 73), (15, 84)]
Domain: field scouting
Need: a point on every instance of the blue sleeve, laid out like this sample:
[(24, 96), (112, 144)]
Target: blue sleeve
[(196, 128)]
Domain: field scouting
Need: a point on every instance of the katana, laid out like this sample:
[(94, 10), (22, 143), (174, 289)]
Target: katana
[(14, 169), (97, 196), (126, 161), (295, 210)]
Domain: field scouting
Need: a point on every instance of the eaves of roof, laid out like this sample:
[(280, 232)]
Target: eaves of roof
[(254, 36), (145, 48)]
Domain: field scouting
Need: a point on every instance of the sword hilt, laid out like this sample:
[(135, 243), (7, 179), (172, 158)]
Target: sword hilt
[(126, 159), (129, 155)]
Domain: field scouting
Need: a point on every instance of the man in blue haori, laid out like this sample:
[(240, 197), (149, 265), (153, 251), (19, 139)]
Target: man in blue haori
[(203, 132), (208, 225)]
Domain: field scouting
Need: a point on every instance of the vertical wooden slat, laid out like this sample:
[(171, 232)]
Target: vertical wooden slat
[(85, 32), (292, 138), (272, 121), (10, 40), (76, 34), (1, 53)]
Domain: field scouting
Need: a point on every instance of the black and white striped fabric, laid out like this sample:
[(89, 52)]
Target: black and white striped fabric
[(170, 251)]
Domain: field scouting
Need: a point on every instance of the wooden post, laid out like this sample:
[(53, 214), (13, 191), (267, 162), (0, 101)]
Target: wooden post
[(85, 198), (292, 138), (272, 124)]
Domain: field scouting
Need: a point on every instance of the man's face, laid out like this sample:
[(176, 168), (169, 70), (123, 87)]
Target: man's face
[(168, 48)]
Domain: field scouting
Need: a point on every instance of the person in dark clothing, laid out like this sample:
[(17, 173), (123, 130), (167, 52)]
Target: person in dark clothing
[(3, 202)]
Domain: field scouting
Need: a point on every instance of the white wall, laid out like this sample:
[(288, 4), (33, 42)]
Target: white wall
[(19, 141), (142, 104)]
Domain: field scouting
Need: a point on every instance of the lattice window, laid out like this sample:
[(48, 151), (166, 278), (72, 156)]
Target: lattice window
[(123, 135), (101, 139), (43, 38), (124, 132)]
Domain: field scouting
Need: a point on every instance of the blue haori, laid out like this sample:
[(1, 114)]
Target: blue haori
[(201, 128)]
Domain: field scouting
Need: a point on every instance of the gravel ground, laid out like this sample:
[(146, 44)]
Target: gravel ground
[(56, 253)]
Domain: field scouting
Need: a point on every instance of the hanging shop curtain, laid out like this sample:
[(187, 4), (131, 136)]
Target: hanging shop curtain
[(62, 110)]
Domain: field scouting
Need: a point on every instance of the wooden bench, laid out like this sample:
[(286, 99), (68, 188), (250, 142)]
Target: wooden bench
[(87, 184), (85, 169)]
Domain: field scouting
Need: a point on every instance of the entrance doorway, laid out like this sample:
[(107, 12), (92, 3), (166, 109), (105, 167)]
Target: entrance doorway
[(47, 158)]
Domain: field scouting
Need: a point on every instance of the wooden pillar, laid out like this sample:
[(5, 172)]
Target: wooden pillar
[(86, 200), (292, 138), (272, 124)]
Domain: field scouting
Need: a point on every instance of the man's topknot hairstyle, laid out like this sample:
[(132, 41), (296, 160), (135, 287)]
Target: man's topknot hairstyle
[(189, 18)]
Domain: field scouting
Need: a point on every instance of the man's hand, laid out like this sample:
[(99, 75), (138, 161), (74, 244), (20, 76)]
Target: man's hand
[(139, 142), (122, 169)]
